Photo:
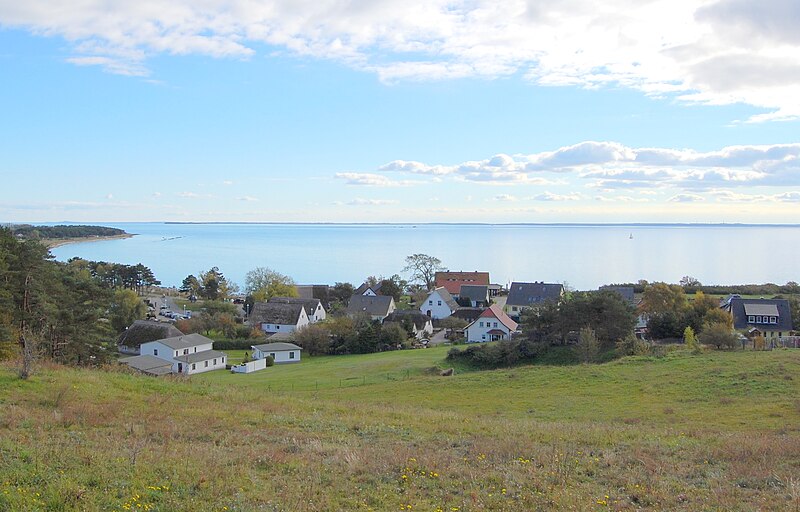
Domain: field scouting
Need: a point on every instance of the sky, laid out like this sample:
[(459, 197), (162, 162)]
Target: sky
[(400, 111)]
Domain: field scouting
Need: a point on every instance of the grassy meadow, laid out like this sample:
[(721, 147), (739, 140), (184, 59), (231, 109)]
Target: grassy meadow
[(717, 431)]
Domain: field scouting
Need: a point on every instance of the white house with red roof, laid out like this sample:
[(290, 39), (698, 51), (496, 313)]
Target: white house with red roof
[(492, 325)]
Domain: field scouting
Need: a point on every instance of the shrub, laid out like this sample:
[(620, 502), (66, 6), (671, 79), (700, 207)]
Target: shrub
[(269, 361), (719, 335)]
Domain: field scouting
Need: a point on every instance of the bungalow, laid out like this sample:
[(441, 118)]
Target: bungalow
[(453, 281), (142, 331), (280, 352), (148, 364), (313, 307), (273, 317), (492, 325), (188, 354), (439, 304), (476, 295), (522, 296), (770, 318), (419, 324), (377, 307)]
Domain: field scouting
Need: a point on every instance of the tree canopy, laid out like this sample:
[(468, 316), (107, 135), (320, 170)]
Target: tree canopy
[(263, 283), (422, 268)]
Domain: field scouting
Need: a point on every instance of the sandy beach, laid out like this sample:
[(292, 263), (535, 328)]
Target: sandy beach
[(58, 242)]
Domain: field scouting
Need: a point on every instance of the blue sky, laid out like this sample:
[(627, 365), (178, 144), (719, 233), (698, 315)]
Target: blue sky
[(400, 111)]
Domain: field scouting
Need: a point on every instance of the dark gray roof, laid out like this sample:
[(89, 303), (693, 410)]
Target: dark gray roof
[(625, 291), (468, 314), (414, 315), (275, 313), (276, 347), (374, 306), (527, 294), (205, 355), (148, 364), (376, 288), (474, 292), (446, 297), (185, 341), (737, 305), (311, 305), (142, 331)]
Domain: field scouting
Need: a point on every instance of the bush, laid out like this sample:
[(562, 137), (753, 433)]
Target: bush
[(269, 361), (497, 355), (718, 334)]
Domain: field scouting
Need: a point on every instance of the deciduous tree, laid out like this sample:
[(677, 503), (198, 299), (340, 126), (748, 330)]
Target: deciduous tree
[(422, 268)]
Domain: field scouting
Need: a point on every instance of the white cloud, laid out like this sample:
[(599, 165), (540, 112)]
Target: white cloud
[(247, 199), (686, 198), (505, 198), (707, 51), (548, 196), (109, 196), (366, 202), (373, 180), (227, 183)]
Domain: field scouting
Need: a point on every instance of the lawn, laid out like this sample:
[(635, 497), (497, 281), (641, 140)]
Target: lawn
[(718, 431)]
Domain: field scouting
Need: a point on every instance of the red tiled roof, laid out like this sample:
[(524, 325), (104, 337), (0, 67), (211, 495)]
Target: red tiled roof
[(494, 311), (452, 281)]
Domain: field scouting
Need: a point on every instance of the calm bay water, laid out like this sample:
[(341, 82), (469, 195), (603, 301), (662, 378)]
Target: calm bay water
[(584, 256)]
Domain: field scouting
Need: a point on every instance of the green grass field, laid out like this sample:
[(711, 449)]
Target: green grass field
[(718, 431)]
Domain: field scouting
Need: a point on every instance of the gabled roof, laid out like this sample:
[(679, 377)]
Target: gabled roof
[(376, 288), (413, 315), (475, 293), (142, 331), (276, 313), (185, 341), (468, 314), (494, 311), (741, 309), (148, 364), (311, 305), (205, 355), (276, 347), (454, 280), (446, 297), (527, 294), (379, 305), (626, 292)]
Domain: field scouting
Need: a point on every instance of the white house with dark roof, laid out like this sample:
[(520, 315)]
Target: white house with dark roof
[(438, 304), (420, 324), (188, 354), (280, 352), (477, 295), (377, 307), (314, 310), (272, 317), (492, 325), (522, 296)]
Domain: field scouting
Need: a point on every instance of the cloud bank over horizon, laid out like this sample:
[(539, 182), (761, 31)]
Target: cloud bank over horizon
[(712, 52)]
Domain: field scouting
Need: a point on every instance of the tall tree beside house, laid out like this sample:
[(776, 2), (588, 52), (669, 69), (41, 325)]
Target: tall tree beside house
[(263, 283), (214, 285), (422, 268), (661, 298), (126, 307), (393, 286)]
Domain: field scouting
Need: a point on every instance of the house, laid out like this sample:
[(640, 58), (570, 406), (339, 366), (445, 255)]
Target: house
[(626, 292), (371, 290), (273, 317), (770, 318), (419, 324), (377, 307), (468, 314), (313, 307), (142, 331), (148, 364), (477, 295), (188, 354), (439, 304), (280, 352), (522, 296), (492, 325), (453, 281)]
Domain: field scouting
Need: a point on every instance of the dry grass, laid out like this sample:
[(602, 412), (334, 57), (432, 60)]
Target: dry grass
[(104, 440)]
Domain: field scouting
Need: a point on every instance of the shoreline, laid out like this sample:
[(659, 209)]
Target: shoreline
[(58, 242)]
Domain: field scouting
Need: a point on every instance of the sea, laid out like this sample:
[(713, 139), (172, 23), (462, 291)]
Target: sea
[(583, 256)]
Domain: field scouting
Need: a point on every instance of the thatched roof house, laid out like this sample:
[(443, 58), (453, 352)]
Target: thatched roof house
[(144, 331)]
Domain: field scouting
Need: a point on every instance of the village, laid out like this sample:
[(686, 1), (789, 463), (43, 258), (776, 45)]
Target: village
[(460, 307)]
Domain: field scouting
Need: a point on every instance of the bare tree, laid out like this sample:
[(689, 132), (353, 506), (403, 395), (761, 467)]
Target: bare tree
[(423, 268)]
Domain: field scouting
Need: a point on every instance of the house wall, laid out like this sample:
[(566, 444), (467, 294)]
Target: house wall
[(436, 305), (476, 331), (280, 356), (318, 315), (124, 349), (200, 366), (250, 366), (302, 321)]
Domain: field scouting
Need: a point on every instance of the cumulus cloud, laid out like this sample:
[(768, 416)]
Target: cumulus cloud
[(372, 180), (609, 166), (712, 52)]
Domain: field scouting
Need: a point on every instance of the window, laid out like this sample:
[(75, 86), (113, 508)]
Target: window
[(155, 351), (194, 366), (495, 324), (215, 361), (272, 356), (439, 303), (480, 324), (176, 353), (195, 349), (206, 363), (223, 360), (483, 336), (430, 303), (513, 308), (277, 326), (185, 351), (291, 355), (751, 319), (773, 319)]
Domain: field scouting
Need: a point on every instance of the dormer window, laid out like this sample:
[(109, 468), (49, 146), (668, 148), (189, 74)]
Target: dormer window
[(773, 319), (751, 319)]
